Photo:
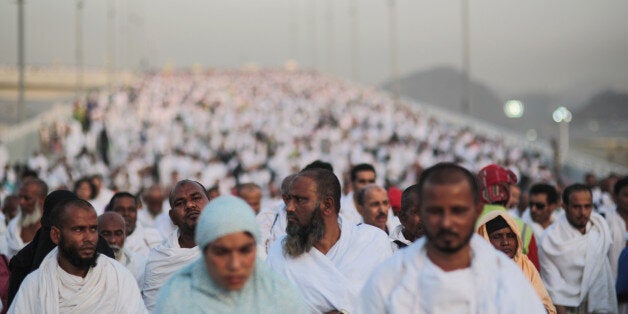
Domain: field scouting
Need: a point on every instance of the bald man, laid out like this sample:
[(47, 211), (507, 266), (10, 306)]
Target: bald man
[(111, 228)]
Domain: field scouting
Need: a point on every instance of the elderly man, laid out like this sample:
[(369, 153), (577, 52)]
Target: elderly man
[(327, 257), (574, 257), (21, 229), (543, 203), (410, 228), (111, 228), (451, 269), (373, 206), (138, 238), (228, 278), (74, 277), (187, 200)]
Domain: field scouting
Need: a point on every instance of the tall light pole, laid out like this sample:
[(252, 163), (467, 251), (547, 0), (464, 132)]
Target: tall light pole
[(330, 35), (562, 116), (20, 60), (353, 12), (79, 47), (111, 49), (294, 30), (465, 99), (314, 39), (394, 68)]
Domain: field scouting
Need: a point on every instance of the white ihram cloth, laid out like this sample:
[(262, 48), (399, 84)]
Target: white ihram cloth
[(575, 265), (135, 263), (333, 281), (14, 239), (537, 228), (146, 218), (348, 210), (107, 288), (619, 233), (409, 282), (164, 224), (272, 223), (142, 240), (397, 234), (163, 261)]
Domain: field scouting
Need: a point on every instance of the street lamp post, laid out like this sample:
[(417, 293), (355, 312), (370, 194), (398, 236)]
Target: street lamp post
[(20, 59), (79, 47), (562, 116), (394, 68)]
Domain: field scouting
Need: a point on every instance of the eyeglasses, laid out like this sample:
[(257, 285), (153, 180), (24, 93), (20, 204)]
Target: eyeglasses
[(540, 206)]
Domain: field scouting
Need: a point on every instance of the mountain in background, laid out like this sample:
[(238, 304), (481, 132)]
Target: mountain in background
[(605, 114), (600, 116)]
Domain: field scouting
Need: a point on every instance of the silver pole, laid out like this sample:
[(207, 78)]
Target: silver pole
[(330, 36), (110, 59), (466, 63), (294, 30), (314, 40), (394, 68), (20, 60), (353, 12), (79, 47)]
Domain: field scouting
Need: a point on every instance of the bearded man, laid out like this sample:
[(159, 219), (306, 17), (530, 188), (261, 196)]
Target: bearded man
[(111, 226), (74, 277), (21, 229), (327, 257)]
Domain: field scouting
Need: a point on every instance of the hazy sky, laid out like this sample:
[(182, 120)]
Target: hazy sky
[(516, 46)]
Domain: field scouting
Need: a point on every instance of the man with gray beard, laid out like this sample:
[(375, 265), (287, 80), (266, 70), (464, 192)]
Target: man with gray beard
[(327, 257), (23, 227), (111, 228)]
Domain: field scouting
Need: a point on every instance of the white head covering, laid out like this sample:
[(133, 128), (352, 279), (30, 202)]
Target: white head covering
[(222, 216)]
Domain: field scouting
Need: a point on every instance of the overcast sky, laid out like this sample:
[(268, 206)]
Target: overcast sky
[(516, 46)]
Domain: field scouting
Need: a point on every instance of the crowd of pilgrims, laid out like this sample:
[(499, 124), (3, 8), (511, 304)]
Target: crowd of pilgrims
[(289, 192)]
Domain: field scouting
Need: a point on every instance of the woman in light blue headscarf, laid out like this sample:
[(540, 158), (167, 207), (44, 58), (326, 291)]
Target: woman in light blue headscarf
[(228, 278)]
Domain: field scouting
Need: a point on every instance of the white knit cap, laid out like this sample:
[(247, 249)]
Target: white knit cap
[(222, 216)]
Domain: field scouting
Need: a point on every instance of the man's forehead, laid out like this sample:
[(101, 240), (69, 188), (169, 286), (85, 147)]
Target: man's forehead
[(365, 173), (124, 200), (111, 220), (111, 224), (186, 188), (78, 215), (583, 196), (302, 183), (436, 190), (376, 192), (539, 196)]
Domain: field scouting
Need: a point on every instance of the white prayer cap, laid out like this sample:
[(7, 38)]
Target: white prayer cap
[(222, 216)]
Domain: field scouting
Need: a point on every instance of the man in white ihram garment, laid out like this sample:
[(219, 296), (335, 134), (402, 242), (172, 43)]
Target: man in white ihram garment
[(361, 176), (574, 251), (187, 200), (327, 257), (139, 240), (22, 228), (111, 228), (450, 269), (73, 277)]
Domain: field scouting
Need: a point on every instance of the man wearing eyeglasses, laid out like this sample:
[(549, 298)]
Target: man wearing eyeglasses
[(543, 203)]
